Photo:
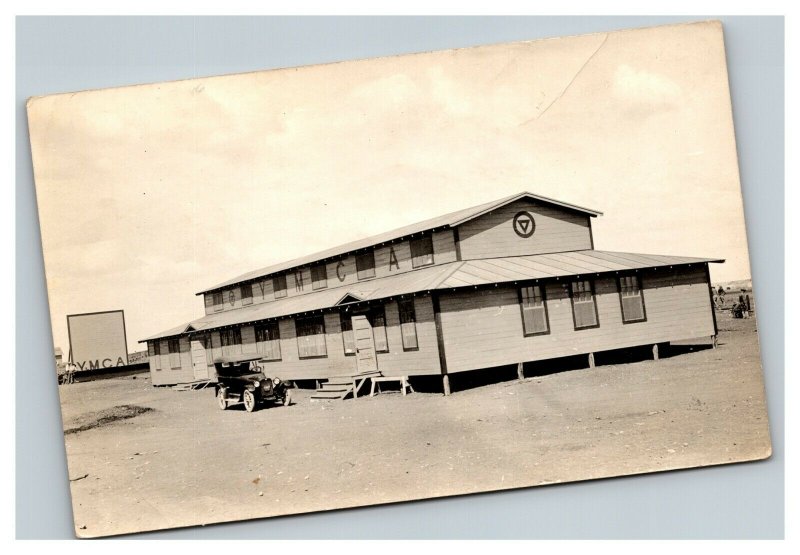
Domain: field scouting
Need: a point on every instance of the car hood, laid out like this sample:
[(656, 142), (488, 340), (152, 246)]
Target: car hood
[(243, 377)]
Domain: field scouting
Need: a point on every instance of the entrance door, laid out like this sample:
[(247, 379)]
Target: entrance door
[(365, 345), (200, 357)]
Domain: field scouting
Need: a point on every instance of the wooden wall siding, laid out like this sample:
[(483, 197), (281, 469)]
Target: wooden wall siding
[(298, 282), (402, 253), (484, 328), (398, 362), (291, 367), (249, 346), (443, 252), (493, 235), (168, 375), (444, 247)]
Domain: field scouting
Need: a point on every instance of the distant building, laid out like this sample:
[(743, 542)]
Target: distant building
[(97, 340), (506, 282)]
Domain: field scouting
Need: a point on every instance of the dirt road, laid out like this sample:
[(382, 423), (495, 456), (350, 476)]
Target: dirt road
[(185, 462)]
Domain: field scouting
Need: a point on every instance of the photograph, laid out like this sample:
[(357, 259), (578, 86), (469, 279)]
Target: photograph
[(399, 278)]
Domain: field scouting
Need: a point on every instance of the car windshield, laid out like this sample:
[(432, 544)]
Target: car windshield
[(238, 370)]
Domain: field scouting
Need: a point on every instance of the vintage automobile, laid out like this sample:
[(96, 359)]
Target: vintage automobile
[(243, 381)]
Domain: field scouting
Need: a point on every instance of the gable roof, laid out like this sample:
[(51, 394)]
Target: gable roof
[(453, 275), (440, 222)]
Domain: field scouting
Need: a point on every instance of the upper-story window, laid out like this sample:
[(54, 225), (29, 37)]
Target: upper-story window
[(584, 308), (365, 265), (279, 286), (319, 276), (630, 294), (534, 310), (217, 301), (247, 293), (422, 251)]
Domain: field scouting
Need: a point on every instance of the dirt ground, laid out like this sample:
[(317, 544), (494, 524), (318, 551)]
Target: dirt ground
[(184, 462)]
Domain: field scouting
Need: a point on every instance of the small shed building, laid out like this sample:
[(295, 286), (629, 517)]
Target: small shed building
[(507, 282)]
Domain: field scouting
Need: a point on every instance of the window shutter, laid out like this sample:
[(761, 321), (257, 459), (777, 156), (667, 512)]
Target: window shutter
[(583, 307)]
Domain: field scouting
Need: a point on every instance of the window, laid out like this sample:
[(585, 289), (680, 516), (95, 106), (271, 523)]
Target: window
[(231, 337), (365, 265), (630, 295), (311, 337), (534, 311), (217, 301), (408, 324), (377, 318), (584, 310), (154, 350), (157, 354), (268, 340), (319, 277), (174, 346), (247, 293), (348, 339), (422, 251), (279, 286)]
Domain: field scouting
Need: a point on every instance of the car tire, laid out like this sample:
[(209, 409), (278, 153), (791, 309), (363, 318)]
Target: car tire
[(222, 399), (249, 399)]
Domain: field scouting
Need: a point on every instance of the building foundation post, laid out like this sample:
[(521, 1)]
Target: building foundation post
[(591, 360), (520, 371), (655, 351), (446, 384)]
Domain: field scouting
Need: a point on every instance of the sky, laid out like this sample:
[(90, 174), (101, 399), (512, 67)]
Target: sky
[(148, 194)]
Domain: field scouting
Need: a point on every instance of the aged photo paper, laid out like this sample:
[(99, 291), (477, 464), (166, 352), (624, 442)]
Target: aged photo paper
[(400, 278)]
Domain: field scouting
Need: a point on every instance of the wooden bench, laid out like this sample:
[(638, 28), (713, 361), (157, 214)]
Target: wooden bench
[(402, 379)]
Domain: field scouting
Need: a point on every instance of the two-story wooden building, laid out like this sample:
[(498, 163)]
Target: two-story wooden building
[(507, 282)]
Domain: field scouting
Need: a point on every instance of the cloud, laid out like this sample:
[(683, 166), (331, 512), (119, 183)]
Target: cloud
[(644, 87)]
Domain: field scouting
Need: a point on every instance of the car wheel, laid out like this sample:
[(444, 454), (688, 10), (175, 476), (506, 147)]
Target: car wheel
[(249, 401), (222, 400)]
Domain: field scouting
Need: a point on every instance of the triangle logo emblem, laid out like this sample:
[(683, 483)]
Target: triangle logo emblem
[(524, 224)]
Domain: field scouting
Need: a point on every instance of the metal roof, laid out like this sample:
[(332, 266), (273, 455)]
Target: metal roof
[(542, 266), (171, 332), (465, 273), (447, 220)]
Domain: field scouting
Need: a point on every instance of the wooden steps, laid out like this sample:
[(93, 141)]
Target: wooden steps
[(200, 384), (339, 387)]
